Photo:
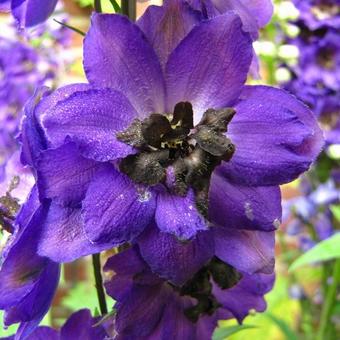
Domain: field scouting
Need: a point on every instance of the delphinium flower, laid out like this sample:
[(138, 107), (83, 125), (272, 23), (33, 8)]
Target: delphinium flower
[(175, 155), (309, 217), (316, 77), (23, 68), (80, 325), (316, 14), (148, 307), (29, 13)]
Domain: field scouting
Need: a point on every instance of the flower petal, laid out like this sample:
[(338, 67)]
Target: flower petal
[(115, 209), (132, 68), (276, 138), (193, 76), (178, 215), (243, 207), (165, 26), (246, 295), (91, 118), (63, 238), (174, 260), (32, 12), (63, 174), (247, 251)]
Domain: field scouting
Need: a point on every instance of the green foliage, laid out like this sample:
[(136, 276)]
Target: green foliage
[(325, 250), (6, 332), (335, 211), (224, 332), (283, 325)]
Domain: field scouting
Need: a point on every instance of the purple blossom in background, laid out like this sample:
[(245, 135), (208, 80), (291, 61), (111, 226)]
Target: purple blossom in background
[(94, 137), (309, 217), (147, 307), (29, 13), (318, 14)]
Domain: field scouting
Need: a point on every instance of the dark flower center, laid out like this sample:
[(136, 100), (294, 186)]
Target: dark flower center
[(200, 287), (326, 58), (174, 152)]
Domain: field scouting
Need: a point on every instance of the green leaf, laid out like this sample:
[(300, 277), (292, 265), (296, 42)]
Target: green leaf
[(115, 6), (224, 332), (336, 211), (284, 327), (325, 250)]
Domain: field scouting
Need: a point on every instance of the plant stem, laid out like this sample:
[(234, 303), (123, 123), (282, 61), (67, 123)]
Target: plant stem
[(97, 6), (129, 8), (330, 299), (99, 283)]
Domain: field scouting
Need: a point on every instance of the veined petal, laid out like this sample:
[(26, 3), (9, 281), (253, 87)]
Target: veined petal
[(179, 216), (91, 119), (247, 251), (115, 209), (276, 138), (63, 174), (174, 260), (62, 238), (243, 207), (193, 75), (117, 55)]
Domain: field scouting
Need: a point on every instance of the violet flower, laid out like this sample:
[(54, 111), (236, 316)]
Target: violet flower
[(148, 307), (121, 160), (80, 325), (29, 13), (27, 281), (319, 14)]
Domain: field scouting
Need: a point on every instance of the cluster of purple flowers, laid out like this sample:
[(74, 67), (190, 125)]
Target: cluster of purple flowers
[(316, 77), (165, 151)]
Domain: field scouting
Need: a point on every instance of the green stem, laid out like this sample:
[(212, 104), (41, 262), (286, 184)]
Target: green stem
[(128, 8), (99, 283), (328, 304), (97, 6)]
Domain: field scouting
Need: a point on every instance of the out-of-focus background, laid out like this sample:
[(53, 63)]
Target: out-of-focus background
[(311, 211)]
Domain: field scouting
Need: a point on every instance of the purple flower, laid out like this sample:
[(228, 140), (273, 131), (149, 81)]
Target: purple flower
[(254, 14), (80, 325), (318, 14), (121, 160), (27, 281), (319, 61), (29, 13), (148, 307)]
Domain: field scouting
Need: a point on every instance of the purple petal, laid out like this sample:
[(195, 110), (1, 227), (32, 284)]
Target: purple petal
[(242, 207), (64, 174), (165, 26), (174, 260), (63, 238), (43, 333), (247, 251), (132, 68), (32, 12), (35, 305), (91, 119), (178, 215), (21, 267), (246, 295), (5, 5), (80, 325), (192, 75), (276, 138), (115, 209)]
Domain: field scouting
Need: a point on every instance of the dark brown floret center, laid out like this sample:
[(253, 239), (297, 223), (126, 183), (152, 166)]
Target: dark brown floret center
[(172, 150)]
